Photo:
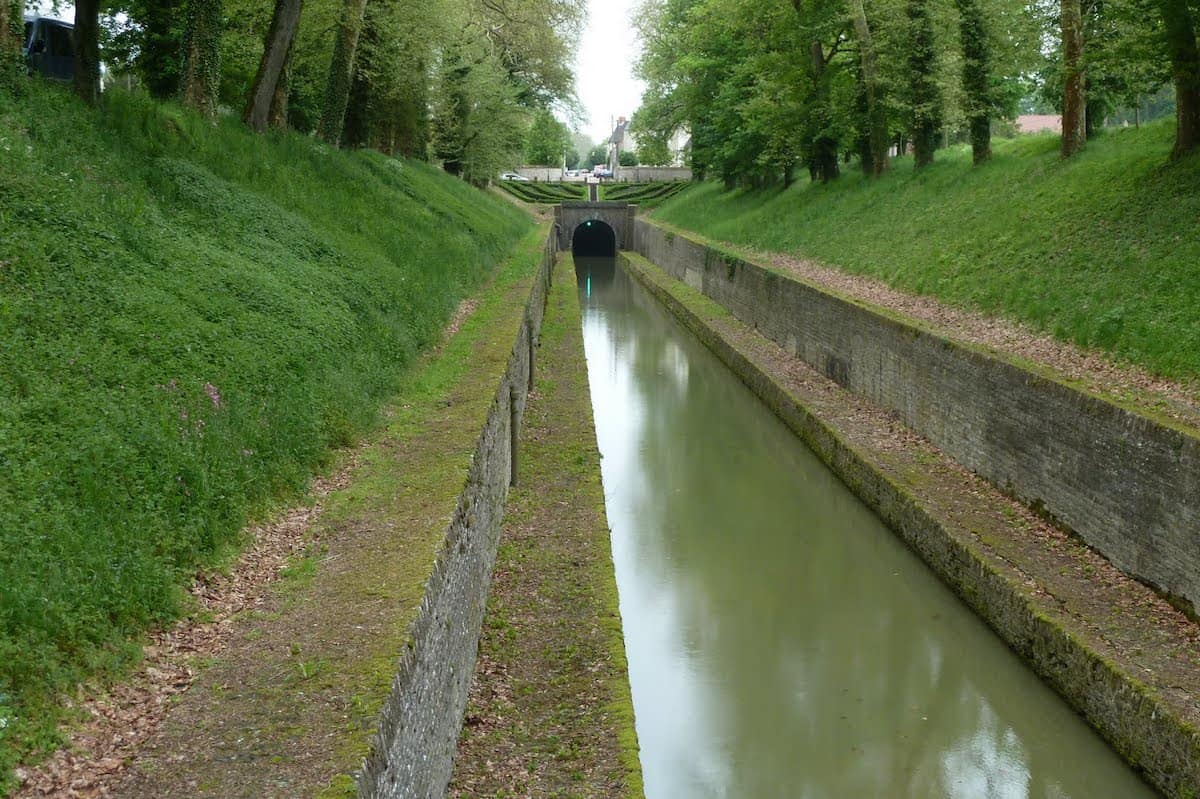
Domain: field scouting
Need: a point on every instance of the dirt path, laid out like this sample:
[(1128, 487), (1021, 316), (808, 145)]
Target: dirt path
[(550, 712)]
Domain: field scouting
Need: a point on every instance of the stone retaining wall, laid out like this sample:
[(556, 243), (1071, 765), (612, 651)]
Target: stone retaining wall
[(412, 754), (1127, 484), (1150, 730)]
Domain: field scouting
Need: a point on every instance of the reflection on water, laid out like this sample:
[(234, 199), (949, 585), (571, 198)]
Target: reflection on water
[(781, 641)]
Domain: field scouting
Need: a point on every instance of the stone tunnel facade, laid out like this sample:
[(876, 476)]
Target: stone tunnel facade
[(619, 216)]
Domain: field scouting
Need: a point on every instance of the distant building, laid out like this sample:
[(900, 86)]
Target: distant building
[(680, 145), (620, 141), (1039, 123)]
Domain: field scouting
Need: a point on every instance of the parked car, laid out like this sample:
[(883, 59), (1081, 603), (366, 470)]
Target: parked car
[(513, 176), (49, 48)]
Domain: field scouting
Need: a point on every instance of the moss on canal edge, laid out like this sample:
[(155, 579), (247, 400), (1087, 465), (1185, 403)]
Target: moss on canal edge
[(1062, 629), (550, 712), (287, 709)]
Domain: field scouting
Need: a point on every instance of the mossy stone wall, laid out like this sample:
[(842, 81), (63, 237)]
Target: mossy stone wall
[(413, 751)]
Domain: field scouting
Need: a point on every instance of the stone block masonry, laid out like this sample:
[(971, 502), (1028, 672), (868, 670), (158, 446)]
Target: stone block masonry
[(1126, 483), (412, 754)]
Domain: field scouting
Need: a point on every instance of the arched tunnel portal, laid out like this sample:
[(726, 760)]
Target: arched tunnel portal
[(601, 228), (593, 238)]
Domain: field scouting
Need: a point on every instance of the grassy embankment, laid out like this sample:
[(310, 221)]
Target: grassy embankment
[(192, 318), (1100, 250)]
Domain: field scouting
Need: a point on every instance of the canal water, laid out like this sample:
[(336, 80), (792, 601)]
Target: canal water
[(781, 641)]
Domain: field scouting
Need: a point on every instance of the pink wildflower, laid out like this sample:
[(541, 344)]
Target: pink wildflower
[(213, 394)]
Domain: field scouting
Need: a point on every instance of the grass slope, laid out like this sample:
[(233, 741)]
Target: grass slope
[(1101, 250), (191, 316)]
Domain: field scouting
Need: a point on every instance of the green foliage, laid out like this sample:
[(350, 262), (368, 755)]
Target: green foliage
[(764, 87), (653, 151), (192, 316), (1100, 250), (597, 155), (924, 96), (547, 141), (627, 158), (477, 124)]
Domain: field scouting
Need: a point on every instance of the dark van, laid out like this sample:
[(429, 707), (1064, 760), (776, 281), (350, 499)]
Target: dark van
[(49, 48)]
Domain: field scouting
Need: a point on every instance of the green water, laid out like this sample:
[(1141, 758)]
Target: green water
[(781, 641)]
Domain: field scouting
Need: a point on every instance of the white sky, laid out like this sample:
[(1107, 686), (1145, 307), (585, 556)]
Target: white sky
[(604, 66)]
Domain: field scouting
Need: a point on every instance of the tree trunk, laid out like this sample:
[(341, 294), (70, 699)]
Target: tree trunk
[(877, 121), (202, 56), (823, 156), (87, 50), (277, 118), (276, 49), (924, 98), (1185, 70), (976, 78), (1074, 104), (341, 71), (10, 37)]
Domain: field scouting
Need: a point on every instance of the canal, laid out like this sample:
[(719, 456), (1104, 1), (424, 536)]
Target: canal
[(781, 641)]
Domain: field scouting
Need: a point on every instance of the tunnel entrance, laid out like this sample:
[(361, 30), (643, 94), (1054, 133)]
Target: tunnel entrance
[(594, 238)]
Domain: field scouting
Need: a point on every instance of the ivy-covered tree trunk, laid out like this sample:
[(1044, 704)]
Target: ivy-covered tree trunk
[(872, 91), (1185, 69), (87, 50), (341, 71), (1074, 103), (924, 98), (10, 40), (976, 78), (276, 49), (202, 56)]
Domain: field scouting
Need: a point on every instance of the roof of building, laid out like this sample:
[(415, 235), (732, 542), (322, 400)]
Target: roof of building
[(1038, 123)]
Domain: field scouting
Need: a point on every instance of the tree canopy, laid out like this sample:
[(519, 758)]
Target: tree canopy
[(461, 81), (765, 86)]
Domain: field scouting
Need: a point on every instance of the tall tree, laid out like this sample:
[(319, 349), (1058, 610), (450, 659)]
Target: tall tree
[(1185, 71), (875, 154), (285, 21), (87, 50), (924, 96), (547, 141), (1074, 102), (976, 78), (160, 46), (202, 56), (821, 140), (341, 71)]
